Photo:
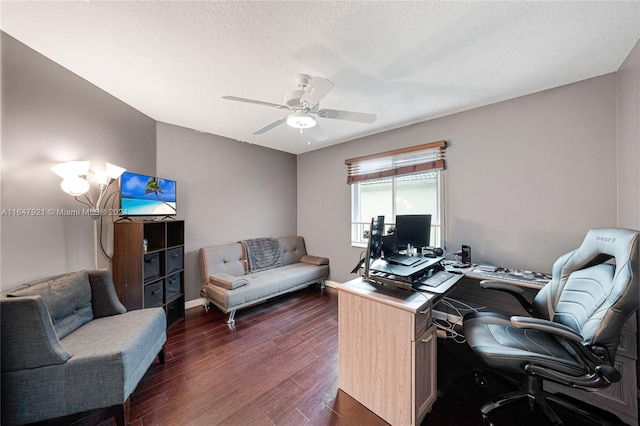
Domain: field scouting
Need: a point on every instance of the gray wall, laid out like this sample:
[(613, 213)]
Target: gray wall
[(629, 148), (50, 115), (536, 155), (629, 141), (227, 191), (525, 179)]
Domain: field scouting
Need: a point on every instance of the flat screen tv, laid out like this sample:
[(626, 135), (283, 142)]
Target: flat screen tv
[(142, 195)]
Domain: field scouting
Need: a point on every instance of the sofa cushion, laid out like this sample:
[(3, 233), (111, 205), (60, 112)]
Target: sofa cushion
[(67, 297), (227, 281), (292, 248), (268, 283), (226, 258)]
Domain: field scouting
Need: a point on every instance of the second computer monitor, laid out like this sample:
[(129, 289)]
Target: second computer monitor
[(414, 229)]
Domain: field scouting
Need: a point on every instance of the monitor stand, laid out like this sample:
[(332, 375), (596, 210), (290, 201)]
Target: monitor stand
[(385, 273)]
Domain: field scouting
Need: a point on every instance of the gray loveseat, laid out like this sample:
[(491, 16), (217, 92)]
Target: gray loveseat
[(241, 274), (69, 346)]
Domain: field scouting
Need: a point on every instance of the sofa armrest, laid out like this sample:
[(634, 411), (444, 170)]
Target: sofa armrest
[(228, 281), (104, 299), (314, 260), (28, 337)]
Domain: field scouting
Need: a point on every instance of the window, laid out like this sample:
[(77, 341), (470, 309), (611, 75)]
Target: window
[(406, 181)]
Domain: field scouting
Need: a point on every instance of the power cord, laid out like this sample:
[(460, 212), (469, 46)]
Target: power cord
[(448, 328), (449, 331), (113, 200)]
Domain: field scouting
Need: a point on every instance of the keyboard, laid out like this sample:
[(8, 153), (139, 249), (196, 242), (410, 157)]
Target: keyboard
[(513, 275), (436, 279)]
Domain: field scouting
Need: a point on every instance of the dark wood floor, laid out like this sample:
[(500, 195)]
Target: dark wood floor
[(278, 366)]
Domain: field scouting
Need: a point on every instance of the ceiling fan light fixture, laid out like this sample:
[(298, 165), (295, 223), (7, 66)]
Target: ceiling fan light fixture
[(300, 120)]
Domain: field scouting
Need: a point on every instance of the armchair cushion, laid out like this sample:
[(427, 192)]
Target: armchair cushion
[(67, 297), (115, 352)]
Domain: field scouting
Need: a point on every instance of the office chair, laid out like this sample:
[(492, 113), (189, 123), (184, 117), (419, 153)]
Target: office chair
[(572, 336)]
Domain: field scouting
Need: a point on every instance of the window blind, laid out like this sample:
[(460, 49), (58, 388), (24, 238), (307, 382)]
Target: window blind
[(403, 161)]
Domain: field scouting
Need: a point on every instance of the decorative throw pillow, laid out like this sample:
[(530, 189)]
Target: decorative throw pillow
[(227, 281), (314, 260)]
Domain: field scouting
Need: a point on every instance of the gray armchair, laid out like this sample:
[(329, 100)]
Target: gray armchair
[(573, 335), (70, 346)]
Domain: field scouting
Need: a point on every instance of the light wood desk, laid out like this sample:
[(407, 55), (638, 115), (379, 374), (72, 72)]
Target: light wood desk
[(387, 350)]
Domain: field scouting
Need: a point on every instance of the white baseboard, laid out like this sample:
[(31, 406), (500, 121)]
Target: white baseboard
[(332, 284), (196, 302)]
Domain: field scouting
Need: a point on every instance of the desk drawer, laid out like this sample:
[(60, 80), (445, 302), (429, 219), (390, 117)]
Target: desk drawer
[(423, 319)]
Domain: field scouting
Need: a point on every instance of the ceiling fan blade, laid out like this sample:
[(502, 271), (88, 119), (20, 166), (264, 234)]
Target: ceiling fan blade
[(318, 133), (270, 126), (360, 117), (317, 89), (253, 101)]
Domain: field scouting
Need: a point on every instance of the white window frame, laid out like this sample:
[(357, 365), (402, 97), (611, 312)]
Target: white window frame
[(358, 229)]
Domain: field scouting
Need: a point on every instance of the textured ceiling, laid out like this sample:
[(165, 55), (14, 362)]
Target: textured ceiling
[(404, 61)]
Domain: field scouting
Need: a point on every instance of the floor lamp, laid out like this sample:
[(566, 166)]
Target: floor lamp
[(75, 182)]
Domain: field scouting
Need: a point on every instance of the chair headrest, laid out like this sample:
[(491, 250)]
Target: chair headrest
[(618, 243)]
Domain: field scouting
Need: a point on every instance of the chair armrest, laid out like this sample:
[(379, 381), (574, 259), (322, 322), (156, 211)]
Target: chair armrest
[(104, 299), (547, 326), (602, 373), (314, 260), (28, 337), (515, 291)]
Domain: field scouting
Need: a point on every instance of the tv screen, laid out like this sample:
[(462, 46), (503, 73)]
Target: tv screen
[(414, 229), (142, 195)]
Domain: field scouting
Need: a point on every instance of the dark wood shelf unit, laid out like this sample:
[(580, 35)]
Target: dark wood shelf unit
[(155, 277)]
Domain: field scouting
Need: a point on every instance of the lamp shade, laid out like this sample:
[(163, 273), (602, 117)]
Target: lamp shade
[(74, 185), (71, 168), (300, 120), (114, 171)]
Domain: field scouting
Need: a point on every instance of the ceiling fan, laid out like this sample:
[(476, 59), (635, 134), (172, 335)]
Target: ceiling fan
[(304, 103)]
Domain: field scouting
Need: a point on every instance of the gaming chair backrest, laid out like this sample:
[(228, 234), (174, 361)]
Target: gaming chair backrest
[(590, 294)]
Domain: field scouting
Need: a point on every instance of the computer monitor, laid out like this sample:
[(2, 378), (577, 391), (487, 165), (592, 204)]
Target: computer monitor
[(414, 229), (375, 237), (374, 245)]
